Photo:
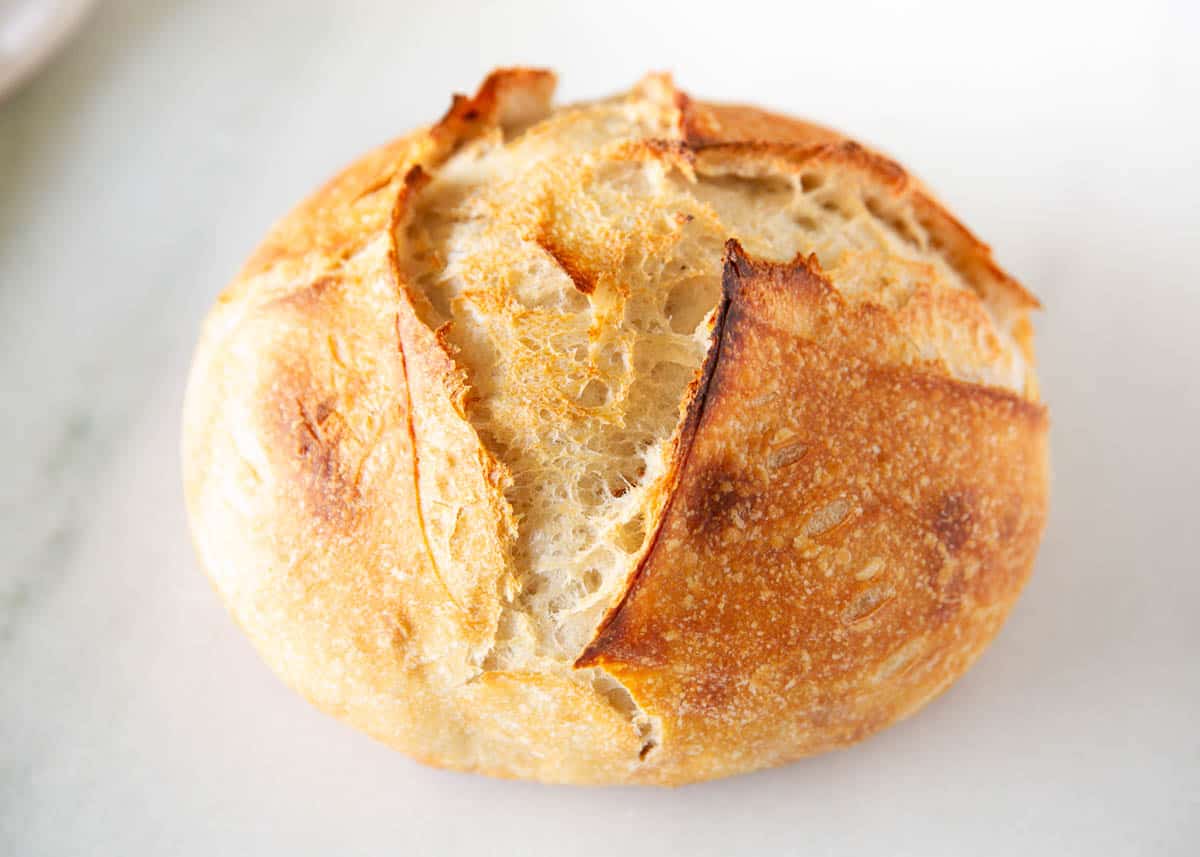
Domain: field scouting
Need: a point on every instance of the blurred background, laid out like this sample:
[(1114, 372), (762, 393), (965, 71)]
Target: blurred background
[(147, 157)]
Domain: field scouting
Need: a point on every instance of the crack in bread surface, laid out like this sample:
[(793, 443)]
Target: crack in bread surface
[(573, 271)]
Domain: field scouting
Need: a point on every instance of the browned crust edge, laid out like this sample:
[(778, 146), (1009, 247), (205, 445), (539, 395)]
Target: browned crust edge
[(697, 398), (704, 126), (737, 267)]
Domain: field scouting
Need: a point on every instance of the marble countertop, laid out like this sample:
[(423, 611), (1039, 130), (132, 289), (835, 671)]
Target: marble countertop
[(140, 168)]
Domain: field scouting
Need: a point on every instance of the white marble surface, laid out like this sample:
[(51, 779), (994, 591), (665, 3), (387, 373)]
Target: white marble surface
[(138, 170)]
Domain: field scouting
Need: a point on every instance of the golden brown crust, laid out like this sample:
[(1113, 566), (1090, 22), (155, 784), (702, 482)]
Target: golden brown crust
[(839, 539), (789, 609), (707, 123), (322, 431)]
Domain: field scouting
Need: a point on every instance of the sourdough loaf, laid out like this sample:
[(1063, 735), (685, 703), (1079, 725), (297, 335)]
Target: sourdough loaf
[(641, 440)]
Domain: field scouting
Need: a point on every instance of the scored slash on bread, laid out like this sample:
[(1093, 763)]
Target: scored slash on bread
[(643, 440)]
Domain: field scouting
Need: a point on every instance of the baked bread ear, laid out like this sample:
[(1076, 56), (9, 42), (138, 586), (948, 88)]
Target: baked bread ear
[(642, 440)]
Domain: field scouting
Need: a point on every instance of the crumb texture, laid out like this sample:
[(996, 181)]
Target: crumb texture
[(572, 270)]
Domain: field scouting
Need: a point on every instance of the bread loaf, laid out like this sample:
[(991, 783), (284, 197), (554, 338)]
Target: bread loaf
[(637, 441)]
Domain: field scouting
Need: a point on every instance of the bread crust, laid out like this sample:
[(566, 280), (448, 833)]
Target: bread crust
[(786, 610), (836, 542)]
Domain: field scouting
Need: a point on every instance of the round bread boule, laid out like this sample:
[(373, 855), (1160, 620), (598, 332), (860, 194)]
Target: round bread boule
[(636, 441)]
